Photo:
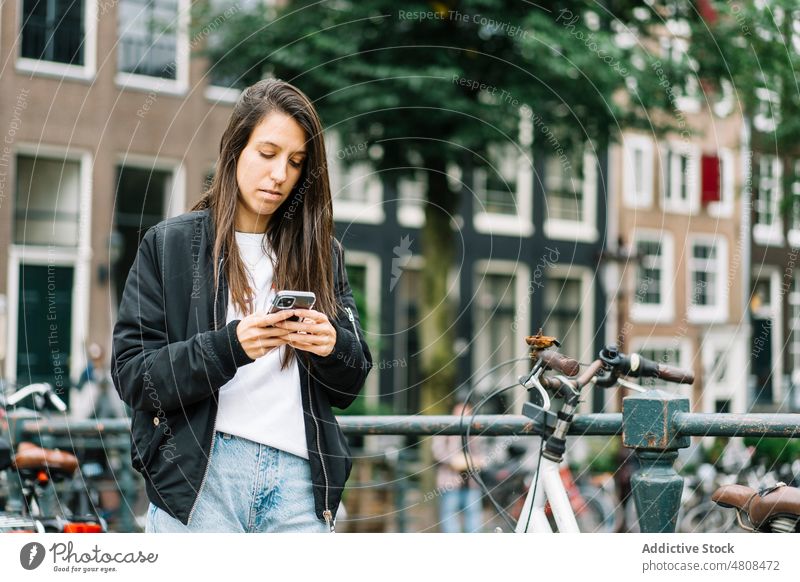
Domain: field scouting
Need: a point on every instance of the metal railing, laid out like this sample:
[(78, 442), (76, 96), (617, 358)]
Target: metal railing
[(655, 424)]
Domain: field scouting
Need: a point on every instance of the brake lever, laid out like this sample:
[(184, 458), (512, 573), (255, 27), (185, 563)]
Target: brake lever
[(532, 383)]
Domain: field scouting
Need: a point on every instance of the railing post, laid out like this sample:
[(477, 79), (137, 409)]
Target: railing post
[(648, 428)]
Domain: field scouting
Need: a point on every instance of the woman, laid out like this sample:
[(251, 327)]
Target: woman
[(232, 425)]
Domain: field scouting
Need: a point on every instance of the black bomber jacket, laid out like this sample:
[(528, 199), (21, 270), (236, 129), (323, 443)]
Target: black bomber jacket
[(172, 352)]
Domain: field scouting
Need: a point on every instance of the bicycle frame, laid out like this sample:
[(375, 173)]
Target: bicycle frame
[(547, 486)]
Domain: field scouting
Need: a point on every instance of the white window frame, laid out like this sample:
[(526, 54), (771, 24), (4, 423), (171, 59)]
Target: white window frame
[(765, 119), (586, 229), (630, 144), (670, 197), (674, 48), (727, 176), (178, 86), (794, 328), (717, 313), (369, 211), (663, 312), (732, 342), (519, 224), (793, 234), (521, 275), (79, 258), (586, 314), (372, 263), (85, 72), (175, 197), (773, 312), (770, 234)]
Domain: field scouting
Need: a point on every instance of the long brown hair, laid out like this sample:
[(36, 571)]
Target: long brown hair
[(300, 231)]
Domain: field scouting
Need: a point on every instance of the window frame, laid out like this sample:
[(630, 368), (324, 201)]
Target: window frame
[(664, 311), (178, 86), (85, 72), (718, 312), (630, 144)]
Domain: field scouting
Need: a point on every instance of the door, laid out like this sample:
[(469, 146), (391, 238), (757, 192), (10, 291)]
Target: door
[(44, 326)]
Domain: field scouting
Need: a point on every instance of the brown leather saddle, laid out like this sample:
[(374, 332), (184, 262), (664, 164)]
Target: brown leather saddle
[(769, 510), (31, 459)]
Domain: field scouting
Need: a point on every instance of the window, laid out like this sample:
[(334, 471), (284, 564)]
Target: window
[(723, 206), (767, 227), (638, 171), (503, 184), (496, 184), (408, 340), (47, 210), (153, 46), (500, 320), (356, 187), (767, 114), (53, 31), (141, 202), (653, 293), (707, 271), (794, 224), (681, 188), (571, 192), (494, 323), (794, 329), (563, 303), (681, 69)]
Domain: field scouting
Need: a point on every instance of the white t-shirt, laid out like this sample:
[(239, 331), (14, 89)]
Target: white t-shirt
[(262, 402)]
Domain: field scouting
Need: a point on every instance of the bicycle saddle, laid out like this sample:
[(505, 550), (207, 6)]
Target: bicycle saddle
[(761, 507), (29, 457)]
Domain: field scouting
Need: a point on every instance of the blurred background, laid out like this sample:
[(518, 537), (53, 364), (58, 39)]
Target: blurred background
[(605, 170)]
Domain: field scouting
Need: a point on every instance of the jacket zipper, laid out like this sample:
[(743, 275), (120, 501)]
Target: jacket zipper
[(327, 512), (214, 430), (352, 321)]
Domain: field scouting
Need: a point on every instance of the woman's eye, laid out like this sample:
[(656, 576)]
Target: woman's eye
[(296, 164), (267, 156)]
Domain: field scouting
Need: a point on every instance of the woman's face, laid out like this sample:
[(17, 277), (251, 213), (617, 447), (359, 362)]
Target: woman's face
[(268, 169)]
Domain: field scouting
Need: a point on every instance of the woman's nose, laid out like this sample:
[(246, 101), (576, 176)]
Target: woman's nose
[(278, 173)]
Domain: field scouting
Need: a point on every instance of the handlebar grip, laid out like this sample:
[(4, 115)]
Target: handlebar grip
[(560, 363), (638, 366), (677, 375)]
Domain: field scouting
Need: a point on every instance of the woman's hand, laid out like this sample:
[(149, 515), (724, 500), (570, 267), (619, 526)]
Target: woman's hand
[(259, 335), (314, 333)]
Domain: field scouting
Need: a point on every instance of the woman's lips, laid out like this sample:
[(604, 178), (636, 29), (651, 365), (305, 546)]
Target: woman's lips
[(270, 195)]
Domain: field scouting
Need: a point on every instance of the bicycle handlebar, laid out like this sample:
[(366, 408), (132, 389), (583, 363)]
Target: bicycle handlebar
[(42, 388), (558, 362), (637, 366)]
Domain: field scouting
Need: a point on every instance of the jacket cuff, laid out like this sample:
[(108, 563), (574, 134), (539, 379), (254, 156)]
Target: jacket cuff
[(342, 349), (228, 349)]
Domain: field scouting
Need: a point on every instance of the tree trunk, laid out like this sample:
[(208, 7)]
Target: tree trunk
[(437, 329)]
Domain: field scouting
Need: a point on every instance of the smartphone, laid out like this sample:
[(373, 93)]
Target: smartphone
[(293, 300)]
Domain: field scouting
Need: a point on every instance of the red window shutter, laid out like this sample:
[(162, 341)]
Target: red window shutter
[(712, 186)]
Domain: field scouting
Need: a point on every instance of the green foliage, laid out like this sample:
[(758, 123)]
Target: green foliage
[(774, 451)]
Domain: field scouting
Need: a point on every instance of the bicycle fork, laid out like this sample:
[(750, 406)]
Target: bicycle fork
[(547, 484)]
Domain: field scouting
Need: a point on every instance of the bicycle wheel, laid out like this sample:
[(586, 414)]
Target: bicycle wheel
[(597, 513), (708, 517)]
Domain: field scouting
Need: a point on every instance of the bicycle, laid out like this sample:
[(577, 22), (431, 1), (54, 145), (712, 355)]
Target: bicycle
[(771, 510), (31, 502), (566, 386)]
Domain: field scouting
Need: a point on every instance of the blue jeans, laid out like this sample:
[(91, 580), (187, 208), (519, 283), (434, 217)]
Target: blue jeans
[(250, 487), (464, 503)]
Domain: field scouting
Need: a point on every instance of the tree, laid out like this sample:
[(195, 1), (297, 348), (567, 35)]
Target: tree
[(438, 82)]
